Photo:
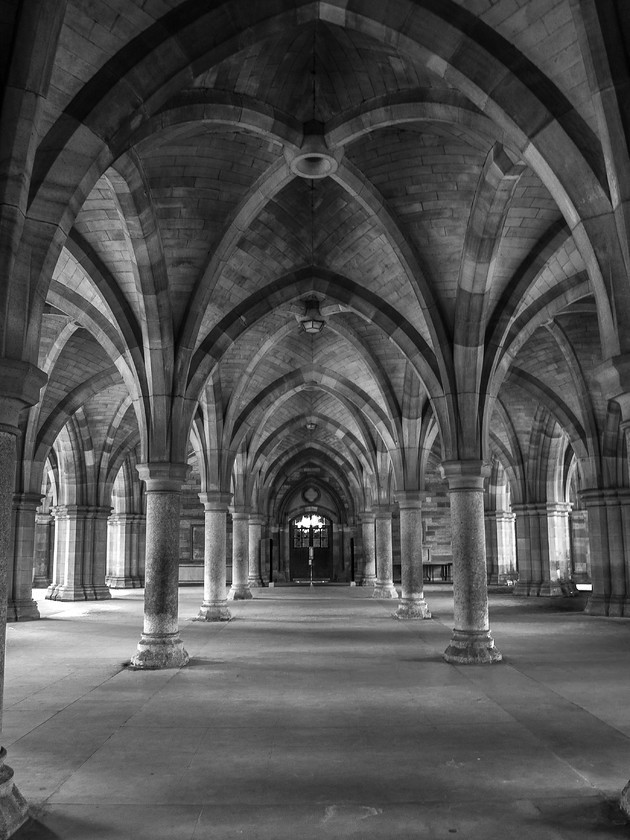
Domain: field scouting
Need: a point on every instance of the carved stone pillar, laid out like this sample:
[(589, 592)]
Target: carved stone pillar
[(384, 587), (160, 645), (43, 550), (214, 606), (20, 384), (240, 591), (256, 524), (368, 539), (124, 542), (471, 642), (413, 604), (21, 606), (559, 549), (80, 554), (609, 537)]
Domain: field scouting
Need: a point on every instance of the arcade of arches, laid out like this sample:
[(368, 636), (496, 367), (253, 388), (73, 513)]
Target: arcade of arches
[(264, 261)]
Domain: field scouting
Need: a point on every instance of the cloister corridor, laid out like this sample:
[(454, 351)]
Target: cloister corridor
[(314, 714)]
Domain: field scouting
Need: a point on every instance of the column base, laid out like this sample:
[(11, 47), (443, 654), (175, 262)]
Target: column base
[(255, 583), (41, 582), (213, 612), (239, 592), (59, 592), (472, 647), (368, 581), (385, 590), (524, 588), (624, 800), (611, 605), (157, 652), (13, 806), (26, 610), (412, 610), (123, 582)]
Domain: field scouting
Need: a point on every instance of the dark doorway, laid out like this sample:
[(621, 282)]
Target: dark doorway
[(311, 547)]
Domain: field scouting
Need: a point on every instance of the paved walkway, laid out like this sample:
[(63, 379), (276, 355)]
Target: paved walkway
[(313, 714)]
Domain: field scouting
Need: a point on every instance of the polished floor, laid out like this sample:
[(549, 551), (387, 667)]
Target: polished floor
[(314, 714)]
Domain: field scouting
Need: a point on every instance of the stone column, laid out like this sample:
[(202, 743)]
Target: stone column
[(240, 591), (580, 549), (506, 546), (492, 547), (256, 523), (80, 554), (471, 642), (123, 551), (384, 587), (368, 534), (42, 550), (559, 550), (609, 538), (214, 606), (532, 549), (413, 605), (20, 387), (160, 645), (21, 606)]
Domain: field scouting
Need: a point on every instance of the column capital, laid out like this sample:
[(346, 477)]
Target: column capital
[(366, 517), (27, 501), (559, 507), (530, 508), (240, 511), (410, 499), (215, 500), (613, 376), (257, 519), (383, 511), (162, 476), (465, 475), (20, 386)]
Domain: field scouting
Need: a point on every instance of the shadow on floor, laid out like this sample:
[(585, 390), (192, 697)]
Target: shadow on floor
[(34, 830)]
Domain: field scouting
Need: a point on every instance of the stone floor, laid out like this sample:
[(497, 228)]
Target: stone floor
[(313, 714)]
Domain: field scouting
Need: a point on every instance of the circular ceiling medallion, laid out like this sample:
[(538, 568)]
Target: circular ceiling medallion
[(314, 160), (311, 495)]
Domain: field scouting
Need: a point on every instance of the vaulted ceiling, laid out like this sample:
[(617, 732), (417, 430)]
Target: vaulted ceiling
[(173, 140)]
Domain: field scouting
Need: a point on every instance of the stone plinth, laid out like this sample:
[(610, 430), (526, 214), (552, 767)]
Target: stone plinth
[(471, 643)]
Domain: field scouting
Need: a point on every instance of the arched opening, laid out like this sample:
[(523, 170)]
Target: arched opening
[(311, 555)]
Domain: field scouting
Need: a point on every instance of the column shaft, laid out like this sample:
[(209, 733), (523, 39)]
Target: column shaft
[(256, 523), (609, 538), (123, 551), (240, 591), (43, 550), (471, 642), (21, 384), (214, 606), (413, 604), (21, 606), (80, 554), (384, 586), (160, 645), (368, 539)]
